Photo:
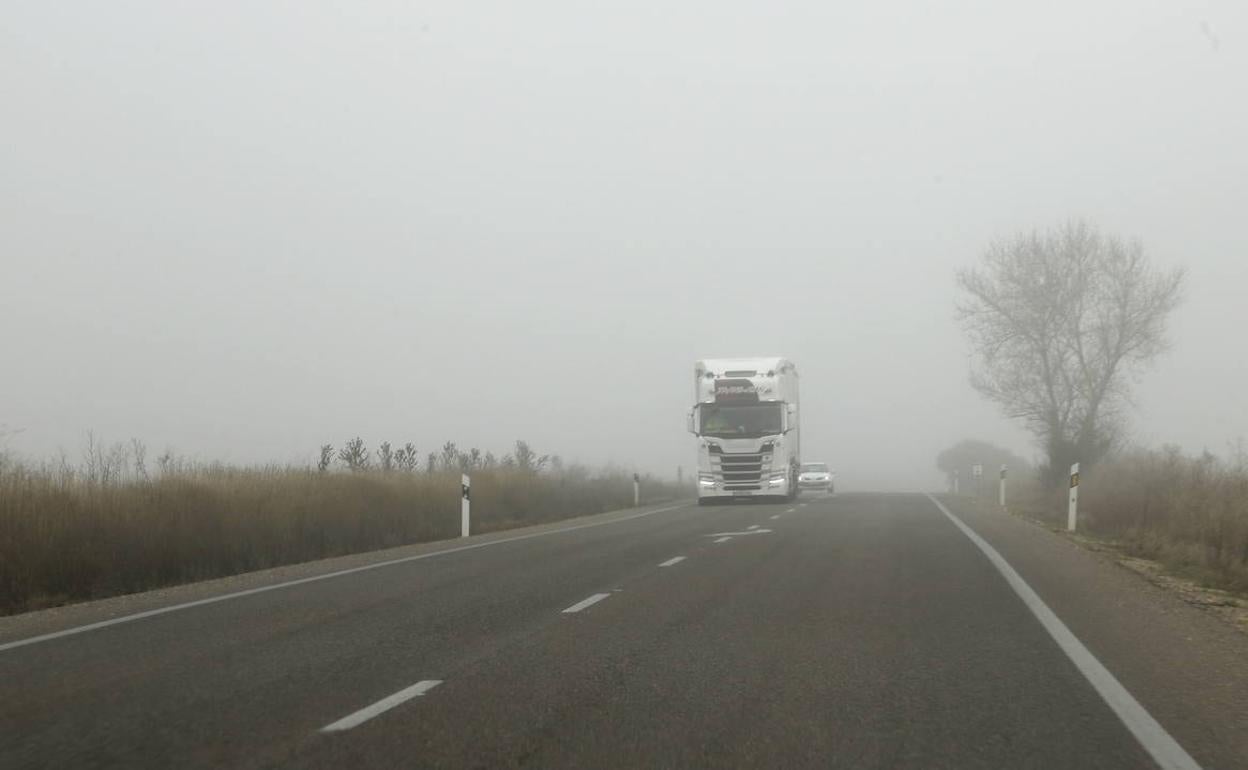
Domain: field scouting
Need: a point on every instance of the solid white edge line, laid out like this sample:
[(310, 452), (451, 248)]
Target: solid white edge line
[(1163, 748), (381, 706), (721, 540), (673, 560), (583, 603), (315, 578)]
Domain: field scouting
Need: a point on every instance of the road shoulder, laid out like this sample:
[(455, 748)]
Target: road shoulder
[(1188, 668)]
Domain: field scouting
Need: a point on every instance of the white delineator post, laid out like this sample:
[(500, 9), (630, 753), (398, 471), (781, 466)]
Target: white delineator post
[(636, 490), (1001, 493), (956, 474), (464, 506), (1073, 513)]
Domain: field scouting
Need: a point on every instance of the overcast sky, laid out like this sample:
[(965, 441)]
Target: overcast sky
[(245, 229)]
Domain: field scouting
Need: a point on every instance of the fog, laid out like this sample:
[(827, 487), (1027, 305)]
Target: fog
[(243, 230)]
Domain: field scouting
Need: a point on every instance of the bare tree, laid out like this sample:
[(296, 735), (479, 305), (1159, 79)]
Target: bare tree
[(1061, 320), (528, 460), (450, 456), (385, 457), (327, 457), (405, 458), (138, 451), (354, 455), (92, 457), (165, 462)]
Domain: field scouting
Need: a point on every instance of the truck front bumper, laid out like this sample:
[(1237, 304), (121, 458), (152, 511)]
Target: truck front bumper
[(775, 488)]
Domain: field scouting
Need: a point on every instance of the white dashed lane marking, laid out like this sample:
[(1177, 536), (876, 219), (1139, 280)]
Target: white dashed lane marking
[(582, 604), (381, 706)]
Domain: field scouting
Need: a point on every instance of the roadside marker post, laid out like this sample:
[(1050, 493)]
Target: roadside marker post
[(956, 474), (636, 490), (465, 505), (1073, 513), (1001, 493), (977, 471)]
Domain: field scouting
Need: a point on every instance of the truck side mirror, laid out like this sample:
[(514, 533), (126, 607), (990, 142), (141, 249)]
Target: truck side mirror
[(689, 422)]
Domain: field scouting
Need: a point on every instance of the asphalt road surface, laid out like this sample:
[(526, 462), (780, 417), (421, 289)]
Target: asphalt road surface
[(848, 631)]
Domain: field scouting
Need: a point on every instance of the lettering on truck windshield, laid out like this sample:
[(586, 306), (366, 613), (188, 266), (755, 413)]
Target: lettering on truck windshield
[(739, 391)]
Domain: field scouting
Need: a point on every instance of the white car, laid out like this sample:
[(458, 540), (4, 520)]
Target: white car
[(816, 476)]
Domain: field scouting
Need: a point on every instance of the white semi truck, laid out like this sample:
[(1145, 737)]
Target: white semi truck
[(745, 416)]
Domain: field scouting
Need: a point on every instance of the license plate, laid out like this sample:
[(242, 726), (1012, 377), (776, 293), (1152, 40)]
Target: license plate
[(741, 494)]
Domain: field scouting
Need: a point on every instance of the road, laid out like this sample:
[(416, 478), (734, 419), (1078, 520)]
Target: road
[(847, 631)]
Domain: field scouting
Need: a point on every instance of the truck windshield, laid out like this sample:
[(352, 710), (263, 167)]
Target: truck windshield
[(741, 421)]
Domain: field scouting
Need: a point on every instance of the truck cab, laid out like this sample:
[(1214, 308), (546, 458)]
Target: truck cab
[(745, 418)]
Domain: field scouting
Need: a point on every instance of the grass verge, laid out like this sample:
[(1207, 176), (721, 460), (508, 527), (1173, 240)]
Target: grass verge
[(65, 537)]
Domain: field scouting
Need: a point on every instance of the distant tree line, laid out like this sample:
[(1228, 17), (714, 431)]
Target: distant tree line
[(356, 457), (959, 459)]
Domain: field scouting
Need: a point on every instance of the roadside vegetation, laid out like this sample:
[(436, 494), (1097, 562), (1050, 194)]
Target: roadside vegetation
[(1187, 513), (119, 522), (1061, 322)]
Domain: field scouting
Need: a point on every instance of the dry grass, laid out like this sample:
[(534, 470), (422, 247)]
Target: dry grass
[(69, 534), (1188, 513)]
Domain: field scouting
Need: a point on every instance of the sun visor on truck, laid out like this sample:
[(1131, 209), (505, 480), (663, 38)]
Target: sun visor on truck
[(735, 392)]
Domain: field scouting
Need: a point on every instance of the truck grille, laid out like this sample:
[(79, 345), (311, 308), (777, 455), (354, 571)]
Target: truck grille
[(740, 471)]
